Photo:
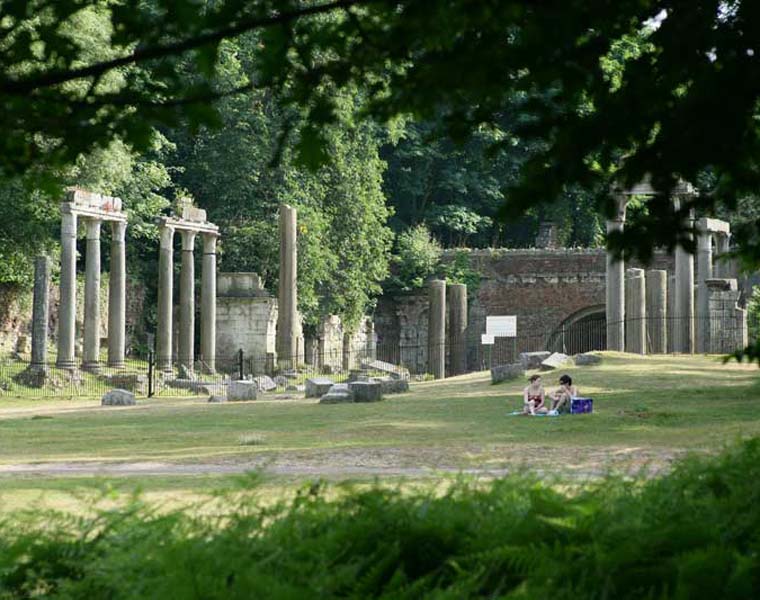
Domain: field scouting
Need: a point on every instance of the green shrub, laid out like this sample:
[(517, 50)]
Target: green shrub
[(694, 533)]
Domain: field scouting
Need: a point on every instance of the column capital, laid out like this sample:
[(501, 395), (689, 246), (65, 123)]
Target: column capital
[(167, 236), (188, 240), (118, 230), (93, 228), (209, 242)]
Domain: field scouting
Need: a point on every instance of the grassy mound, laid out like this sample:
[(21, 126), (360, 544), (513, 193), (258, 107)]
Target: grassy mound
[(694, 533)]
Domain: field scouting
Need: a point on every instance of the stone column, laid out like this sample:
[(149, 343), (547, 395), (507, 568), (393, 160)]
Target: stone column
[(683, 325), (91, 345), (40, 312), (457, 305), (722, 266), (117, 296), (671, 312), (636, 312), (208, 303), (657, 310), (165, 298), (615, 286), (704, 272), (287, 306), (186, 349), (437, 329), (68, 308)]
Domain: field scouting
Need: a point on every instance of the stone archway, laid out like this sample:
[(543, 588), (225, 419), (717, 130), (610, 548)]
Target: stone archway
[(582, 331)]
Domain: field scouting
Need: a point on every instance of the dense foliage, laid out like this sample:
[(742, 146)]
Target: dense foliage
[(692, 534)]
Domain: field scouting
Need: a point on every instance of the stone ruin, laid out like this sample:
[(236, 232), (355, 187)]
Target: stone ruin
[(189, 221)]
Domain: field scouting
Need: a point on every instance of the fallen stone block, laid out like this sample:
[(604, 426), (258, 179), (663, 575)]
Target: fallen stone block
[(337, 394), (118, 398), (507, 372), (281, 381), (533, 360), (393, 386), (366, 391), (555, 361), (217, 398), (587, 359), (318, 386), (265, 383), (242, 390), (128, 381), (394, 371)]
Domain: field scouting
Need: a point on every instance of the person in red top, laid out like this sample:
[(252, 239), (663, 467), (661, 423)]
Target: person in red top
[(534, 396)]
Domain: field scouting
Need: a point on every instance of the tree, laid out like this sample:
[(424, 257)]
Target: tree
[(458, 62)]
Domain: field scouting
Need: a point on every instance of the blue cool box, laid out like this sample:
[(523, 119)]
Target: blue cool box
[(580, 406)]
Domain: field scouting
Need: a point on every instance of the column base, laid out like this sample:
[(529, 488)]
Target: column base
[(66, 364), (116, 364), (91, 367)]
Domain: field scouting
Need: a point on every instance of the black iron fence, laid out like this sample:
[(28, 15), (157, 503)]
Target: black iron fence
[(152, 376)]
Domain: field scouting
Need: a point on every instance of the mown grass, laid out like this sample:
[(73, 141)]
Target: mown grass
[(643, 406), (670, 402)]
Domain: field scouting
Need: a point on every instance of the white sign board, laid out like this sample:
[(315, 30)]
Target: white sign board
[(501, 326), (486, 339)]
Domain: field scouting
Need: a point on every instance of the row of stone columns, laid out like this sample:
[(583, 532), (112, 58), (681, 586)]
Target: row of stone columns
[(93, 209), (446, 299), (186, 341), (646, 303)]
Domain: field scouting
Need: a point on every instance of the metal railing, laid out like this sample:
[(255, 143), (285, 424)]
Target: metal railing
[(147, 376)]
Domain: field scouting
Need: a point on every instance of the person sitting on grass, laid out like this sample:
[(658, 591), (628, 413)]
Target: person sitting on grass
[(533, 397), (561, 397)]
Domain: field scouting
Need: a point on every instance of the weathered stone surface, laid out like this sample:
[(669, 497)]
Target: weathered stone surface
[(185, 372), (339, 393), (555, 361), (392, 386), (265, 383), (318, 386), (366, 391), (533, 360), (218, 389), (217, 398), (385, 367), (242, 390), (281, 381), (192, 213), (290, 374), (133, 382), (587, 359), (118, 398), (507, 372)]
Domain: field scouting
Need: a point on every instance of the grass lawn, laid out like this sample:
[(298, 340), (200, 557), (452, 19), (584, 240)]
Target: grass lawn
[(646, 409)]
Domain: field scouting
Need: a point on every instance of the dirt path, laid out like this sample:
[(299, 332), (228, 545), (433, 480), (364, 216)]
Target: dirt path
[(577, 463)]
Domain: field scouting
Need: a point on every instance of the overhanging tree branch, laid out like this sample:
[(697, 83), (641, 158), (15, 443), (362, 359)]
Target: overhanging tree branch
[(52, 78)]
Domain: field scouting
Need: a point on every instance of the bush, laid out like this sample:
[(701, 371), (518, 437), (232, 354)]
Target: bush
[(692, 534), (416, 258)]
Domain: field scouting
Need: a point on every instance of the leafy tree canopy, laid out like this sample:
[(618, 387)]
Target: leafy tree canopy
[(663, 88)]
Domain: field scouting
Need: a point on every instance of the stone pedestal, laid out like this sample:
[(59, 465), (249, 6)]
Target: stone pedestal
[(91, 346), (67, 311), (437, 328), (287, 316), (635, 314), (117, 296), (186, 350), (656, 311), (457, 305), (728, 322)]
